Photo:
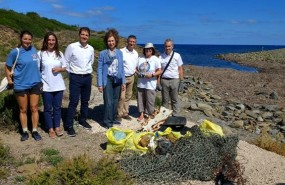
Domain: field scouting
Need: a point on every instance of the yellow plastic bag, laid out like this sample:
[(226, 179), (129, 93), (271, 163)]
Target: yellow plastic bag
[(207, 127), (133, 143), (115, 145), (177, 135)]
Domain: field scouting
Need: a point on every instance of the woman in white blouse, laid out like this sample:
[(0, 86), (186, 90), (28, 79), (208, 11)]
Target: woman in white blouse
[(51, 65), (148, 69)]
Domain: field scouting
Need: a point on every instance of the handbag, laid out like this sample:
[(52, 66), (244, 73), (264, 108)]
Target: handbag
[(4, 83), (158, 86)]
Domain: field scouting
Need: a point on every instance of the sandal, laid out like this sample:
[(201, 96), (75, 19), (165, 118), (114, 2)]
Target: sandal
[(58, 132), (140, 119), (151, 116), (51, 134)]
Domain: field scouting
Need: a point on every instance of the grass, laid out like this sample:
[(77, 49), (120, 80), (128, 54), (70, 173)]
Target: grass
[(266, 142), (6, 159), (82, 170), (51, 156)]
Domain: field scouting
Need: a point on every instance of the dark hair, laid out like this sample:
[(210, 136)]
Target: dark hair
[(84, 29), (45, 43), (111, 33), (131, 37), (24, 32), (153, 51)]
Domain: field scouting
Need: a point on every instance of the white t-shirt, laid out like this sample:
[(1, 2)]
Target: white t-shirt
[(130, 61), (148, 66), (52, 81), (172, 69)]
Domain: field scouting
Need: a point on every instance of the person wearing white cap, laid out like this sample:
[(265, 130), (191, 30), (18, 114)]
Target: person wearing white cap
[(149, 68)]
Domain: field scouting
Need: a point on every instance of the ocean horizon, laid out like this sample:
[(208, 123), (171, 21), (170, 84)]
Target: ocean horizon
[(204, 54)]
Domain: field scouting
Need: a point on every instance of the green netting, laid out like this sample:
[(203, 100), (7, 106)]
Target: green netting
[(198, 157)]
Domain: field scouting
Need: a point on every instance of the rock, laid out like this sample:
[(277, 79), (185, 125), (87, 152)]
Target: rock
[(240, 107), (274, 95), (226, 130), (273, 132), (238, 124), (267, 115), (259, 118), (251, 114), (216, 97), (208, 113), (203, 106)]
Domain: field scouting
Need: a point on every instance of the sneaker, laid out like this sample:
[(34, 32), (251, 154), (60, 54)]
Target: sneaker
[(119, 118), (51, 134), (71, 132), (127, 117), (24, 136), (58, 132), (85, 125), (107, 126), (36, 136), (116, 122)]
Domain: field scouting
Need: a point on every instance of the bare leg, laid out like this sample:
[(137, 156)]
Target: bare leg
[(23, 106), (34, 103)]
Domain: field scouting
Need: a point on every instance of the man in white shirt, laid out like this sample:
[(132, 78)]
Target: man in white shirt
[(171, 77), (130, 57), (79, 59)]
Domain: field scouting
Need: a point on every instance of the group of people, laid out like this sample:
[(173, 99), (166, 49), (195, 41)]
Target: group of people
[(39, 73)]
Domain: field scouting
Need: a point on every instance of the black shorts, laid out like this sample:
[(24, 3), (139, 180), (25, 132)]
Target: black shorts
[(36, 89)]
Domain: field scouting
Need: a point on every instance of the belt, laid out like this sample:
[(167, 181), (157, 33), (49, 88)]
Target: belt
[(130, 75), (168, 78), (81, 75)]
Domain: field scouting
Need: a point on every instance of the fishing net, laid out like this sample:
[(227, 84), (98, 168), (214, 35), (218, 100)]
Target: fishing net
[(195, 158)]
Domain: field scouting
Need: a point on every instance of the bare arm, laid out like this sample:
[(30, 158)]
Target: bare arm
[(8, 71), (181, 72)]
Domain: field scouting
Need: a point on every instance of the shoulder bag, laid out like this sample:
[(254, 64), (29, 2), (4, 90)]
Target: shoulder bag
[(4, 83), (158, 87)]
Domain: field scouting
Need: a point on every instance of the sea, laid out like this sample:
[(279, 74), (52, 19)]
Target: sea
[(204, 55)]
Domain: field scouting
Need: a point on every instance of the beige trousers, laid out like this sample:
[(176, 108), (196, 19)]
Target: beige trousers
[(126, 95)]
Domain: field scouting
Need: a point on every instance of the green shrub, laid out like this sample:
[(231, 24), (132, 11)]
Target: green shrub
[(51, 156), (81, 171), (97, 43), (30, 160), (5, 156), (4, 173), (19, 178), (5, 160), (9, 111), (266, 142)]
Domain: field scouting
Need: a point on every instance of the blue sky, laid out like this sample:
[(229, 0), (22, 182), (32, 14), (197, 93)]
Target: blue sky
[(260, 22)]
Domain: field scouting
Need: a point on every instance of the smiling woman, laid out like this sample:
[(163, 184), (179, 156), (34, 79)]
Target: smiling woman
[(52, 64), (26, 82)]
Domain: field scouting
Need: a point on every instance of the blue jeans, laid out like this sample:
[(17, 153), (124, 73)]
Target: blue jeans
[(111, 95), (52, 108), (79, 87)]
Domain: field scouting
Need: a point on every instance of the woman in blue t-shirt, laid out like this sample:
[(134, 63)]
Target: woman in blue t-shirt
[(26, 82)]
